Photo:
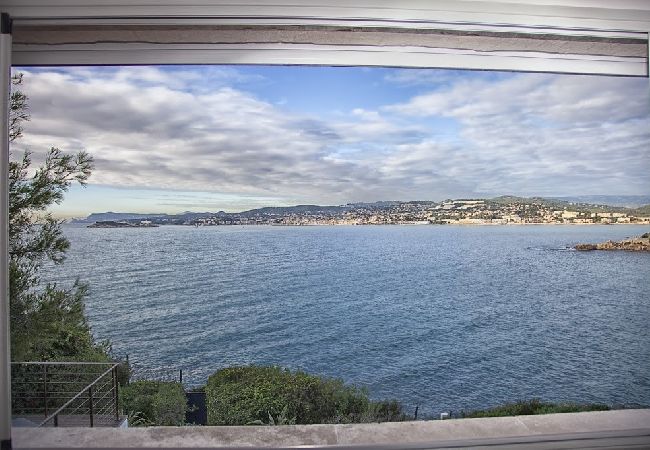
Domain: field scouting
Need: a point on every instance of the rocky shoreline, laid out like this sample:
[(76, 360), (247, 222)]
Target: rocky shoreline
[(638, 244)]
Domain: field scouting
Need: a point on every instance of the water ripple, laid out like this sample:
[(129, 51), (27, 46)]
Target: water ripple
[(441, 317)]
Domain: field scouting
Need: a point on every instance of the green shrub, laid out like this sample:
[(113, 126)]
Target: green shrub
[(169, 405), (533, 407), (154, 403), (552, 408), (273, 395), (384, 411), (137, 399)]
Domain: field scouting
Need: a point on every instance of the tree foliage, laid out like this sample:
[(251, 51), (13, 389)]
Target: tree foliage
[(156, 403), (276, 396), (47, 321)]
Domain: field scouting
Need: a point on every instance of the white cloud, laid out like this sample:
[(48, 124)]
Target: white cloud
[(524, 134), (546, 134), (155, 136)]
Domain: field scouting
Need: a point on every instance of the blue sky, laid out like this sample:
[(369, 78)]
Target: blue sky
[(209, 138)]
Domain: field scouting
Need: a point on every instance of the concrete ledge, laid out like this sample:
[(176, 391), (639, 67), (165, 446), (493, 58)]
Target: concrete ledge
[(590, 425)]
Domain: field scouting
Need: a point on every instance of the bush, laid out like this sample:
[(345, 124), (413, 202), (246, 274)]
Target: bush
[(384, 411), (272, 395), (154, 403), (533, 407), (169, 405)]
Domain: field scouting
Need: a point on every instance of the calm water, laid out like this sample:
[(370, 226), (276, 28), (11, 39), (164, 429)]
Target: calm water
[(445, 317)]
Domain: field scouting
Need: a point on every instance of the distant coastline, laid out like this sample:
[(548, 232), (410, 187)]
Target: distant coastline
[(505, 210), (326, 224)]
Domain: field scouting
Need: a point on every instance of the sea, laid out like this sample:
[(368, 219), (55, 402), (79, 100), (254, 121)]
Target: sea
[(445, 318)]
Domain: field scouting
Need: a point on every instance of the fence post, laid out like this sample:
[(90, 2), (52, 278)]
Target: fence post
[(56, 420), (90, 406), (116, 394), (180, 376), (45, 387)]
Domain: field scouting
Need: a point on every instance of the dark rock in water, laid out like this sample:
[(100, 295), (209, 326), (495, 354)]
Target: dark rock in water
[(109, 224), (114, 224), (640, 244)]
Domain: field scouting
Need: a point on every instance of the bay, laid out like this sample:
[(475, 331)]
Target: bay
[(444, 317)]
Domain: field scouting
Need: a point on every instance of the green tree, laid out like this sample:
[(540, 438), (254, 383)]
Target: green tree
[(47, 321)]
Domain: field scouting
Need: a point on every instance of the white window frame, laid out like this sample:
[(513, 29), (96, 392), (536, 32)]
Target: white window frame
[(595, 18)]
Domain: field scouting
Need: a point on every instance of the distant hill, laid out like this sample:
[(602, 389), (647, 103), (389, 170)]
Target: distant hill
[(643, 211), (380, 204), (628, 201), (580, 203), (298, 209), (113, 216), (593, 203), (550, 202), (506, 199)]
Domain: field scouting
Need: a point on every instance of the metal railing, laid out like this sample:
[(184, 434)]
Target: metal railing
[(66, 394)]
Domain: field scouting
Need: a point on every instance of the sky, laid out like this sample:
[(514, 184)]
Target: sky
[(170, 139)]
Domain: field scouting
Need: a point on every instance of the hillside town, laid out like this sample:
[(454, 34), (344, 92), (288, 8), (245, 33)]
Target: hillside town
[(496, 211), (469, 212)]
